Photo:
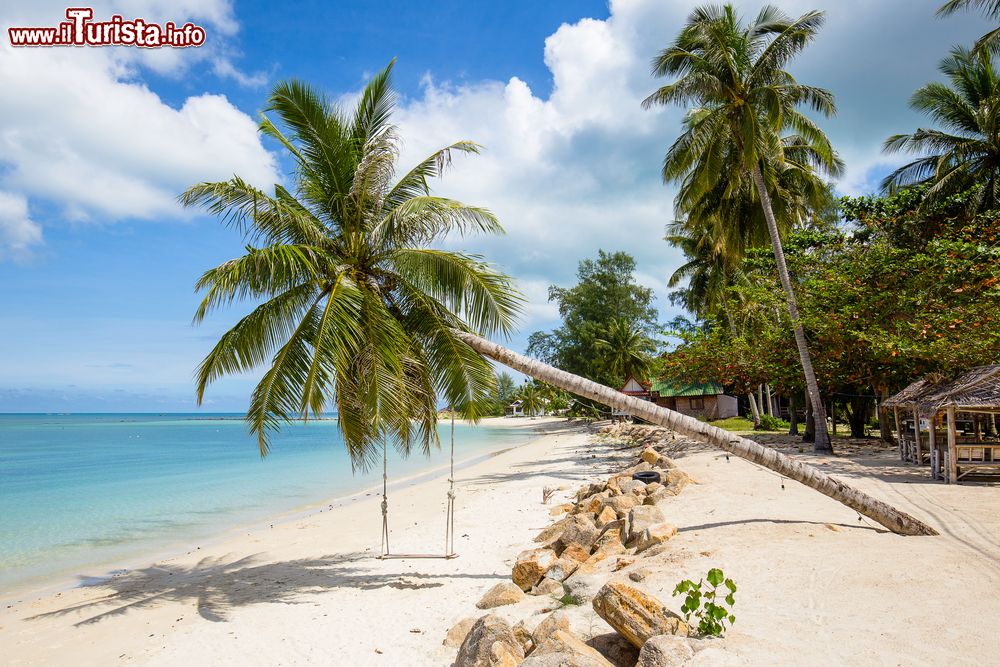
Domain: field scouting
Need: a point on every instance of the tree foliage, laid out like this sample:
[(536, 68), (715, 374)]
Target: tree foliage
[(607, 322), (358, 307)]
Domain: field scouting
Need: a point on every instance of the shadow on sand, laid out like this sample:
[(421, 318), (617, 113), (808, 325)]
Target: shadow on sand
[(217, 585)]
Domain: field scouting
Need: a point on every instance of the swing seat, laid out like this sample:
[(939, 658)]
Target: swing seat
[(408, 556)]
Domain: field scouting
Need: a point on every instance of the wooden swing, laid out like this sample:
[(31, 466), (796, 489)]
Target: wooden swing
[(449, 533)]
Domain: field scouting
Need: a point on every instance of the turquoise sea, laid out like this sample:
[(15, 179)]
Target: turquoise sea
[(80, 492)]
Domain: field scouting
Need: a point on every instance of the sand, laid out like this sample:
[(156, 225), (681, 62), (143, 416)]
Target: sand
[(816, 586)]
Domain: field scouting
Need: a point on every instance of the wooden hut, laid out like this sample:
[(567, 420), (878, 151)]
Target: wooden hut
[(953, 414)]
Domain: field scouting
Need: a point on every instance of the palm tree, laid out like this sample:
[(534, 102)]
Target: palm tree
[(745, 102), (712, 269), (627, 348), (965, 155), (358, 309), (991, 40), (358, 306), (531, 399)]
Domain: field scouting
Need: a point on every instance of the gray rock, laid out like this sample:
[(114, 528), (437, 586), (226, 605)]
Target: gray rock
[(639, 519), (665, 651)]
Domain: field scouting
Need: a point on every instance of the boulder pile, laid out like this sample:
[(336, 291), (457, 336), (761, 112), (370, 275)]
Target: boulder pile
[(621, 517)]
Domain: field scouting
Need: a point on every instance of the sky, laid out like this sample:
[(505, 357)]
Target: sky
[(98, 261)]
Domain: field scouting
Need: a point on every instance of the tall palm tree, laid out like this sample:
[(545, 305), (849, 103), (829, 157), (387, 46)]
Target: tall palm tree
[(965, 154), (990, 41), (627, 348), (361, 311), (745, 102), (712, 269), (359, 308)]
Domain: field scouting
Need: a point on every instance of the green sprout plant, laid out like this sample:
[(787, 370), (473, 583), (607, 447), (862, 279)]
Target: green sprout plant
[(704, 601)]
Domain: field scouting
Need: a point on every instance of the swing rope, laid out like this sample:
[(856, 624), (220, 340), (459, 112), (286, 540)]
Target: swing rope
[(449, 532)]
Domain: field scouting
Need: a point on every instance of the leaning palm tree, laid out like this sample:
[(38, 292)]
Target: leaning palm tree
[(626, 348), (359, 311), (990, 41), (359, 308), (965, 154), (745, 103)]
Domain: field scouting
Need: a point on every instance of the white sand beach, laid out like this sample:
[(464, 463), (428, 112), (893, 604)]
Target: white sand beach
[(816, 585)]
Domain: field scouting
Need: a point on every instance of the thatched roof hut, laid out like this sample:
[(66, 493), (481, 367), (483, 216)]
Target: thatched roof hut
[(976, 390)]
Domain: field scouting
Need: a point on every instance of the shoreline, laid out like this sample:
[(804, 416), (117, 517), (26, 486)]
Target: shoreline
[(39, 587)]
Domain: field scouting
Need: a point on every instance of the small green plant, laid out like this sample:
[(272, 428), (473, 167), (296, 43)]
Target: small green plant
[(704, 603)]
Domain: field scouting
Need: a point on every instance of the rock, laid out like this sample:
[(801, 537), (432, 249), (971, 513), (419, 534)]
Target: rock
[(639, 519), (607, 515), (675, 480), (593, 503), (623, 562), (548, 587), (552, 533), (615, 480), (575, 552), (523, 636), (665, 463), (638, 575), (500, 595), (650, 456), (616, 649), (557, 620), (658, 496), (559, 660), (560, 509), (457, 634), (655, 535), (632, 486), (652, 487), (562, 568), (576, 653), (531, 566), (665, 651), (589, 490), (637, 616), (581, 530), (622, 504), (490, 643)]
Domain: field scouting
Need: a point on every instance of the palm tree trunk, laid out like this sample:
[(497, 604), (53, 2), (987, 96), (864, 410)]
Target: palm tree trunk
[(732, 331), (822, 443), (883, 513)]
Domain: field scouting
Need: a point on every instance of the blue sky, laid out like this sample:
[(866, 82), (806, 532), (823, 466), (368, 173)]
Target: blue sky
[(97, 263)]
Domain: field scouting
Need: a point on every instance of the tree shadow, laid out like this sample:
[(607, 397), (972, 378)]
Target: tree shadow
[(216, 585), (737, 522)]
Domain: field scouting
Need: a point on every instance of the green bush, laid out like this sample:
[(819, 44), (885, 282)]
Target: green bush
[(712, 613), (769, 423)]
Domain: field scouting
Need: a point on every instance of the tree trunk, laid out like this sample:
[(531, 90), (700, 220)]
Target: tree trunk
[(793, 416), (883, 513), (732, 332), (822, 442), (884, 420), (809, 433)]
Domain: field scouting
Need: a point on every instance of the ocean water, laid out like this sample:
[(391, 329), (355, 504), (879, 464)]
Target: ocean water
[(79, 492)]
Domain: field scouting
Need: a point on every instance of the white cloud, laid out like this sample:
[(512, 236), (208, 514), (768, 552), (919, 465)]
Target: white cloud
[(18, 232), (79, 130), (577, 170)]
